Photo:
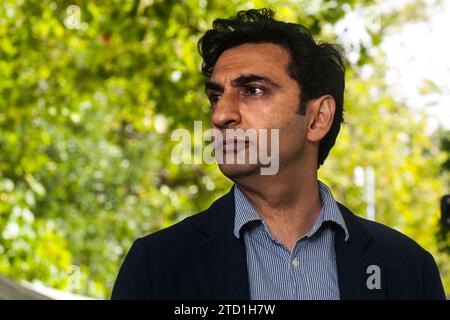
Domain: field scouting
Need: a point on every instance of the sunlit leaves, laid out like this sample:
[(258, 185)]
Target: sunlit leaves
[(85, 121)]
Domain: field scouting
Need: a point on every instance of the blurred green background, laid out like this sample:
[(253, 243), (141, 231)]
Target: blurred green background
[(89, 96)]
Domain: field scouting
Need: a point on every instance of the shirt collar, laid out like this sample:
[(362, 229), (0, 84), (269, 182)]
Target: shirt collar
[(245, 212)]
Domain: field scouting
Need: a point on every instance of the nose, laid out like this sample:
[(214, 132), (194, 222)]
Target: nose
[(226, 113)]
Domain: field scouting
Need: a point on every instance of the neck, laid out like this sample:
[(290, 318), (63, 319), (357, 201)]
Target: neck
[(288, 202)]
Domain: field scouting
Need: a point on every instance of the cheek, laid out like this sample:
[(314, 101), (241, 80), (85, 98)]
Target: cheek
[(278, 111), (292, 132)]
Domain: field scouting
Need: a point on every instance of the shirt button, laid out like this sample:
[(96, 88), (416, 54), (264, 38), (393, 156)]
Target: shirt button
[(295, 263)]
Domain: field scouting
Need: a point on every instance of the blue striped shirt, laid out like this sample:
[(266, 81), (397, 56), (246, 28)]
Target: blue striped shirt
[(309, 272)]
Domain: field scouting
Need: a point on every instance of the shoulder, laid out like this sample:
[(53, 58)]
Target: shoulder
[(410, 266), (182, 230), (381, 235), (383, 239), (391, 239), (193, 229), (155, 258)]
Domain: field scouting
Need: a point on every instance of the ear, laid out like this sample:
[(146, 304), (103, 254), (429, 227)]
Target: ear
[(321, 114)]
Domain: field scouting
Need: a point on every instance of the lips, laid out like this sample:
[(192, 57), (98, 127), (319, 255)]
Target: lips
[(231, 144)]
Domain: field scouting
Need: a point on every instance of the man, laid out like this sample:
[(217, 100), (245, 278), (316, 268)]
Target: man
[(276, 236)]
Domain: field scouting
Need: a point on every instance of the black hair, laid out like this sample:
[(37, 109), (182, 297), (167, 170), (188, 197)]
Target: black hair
[(318, 67)]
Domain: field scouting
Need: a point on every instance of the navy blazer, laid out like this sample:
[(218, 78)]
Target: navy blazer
[(200, 258)]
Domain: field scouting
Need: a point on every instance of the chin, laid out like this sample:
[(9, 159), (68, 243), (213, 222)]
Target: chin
[(233, 171)]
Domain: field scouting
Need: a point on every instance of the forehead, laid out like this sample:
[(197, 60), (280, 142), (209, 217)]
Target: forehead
[(262, 58)]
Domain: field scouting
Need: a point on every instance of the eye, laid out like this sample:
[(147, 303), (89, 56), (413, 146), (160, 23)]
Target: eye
[(214, 98), (251, 91)]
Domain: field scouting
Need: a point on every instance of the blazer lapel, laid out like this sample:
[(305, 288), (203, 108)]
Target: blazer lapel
[(221, 259), (356, 268)]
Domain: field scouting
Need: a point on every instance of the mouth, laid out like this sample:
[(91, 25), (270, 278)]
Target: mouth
[(232, 144)]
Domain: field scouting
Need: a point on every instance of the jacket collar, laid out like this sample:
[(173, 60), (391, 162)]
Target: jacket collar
[(353, 261)]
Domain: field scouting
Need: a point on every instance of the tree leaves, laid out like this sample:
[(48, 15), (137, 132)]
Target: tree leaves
[(85, 121)]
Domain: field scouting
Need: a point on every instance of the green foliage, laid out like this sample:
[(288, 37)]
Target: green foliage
[(444, 144), (85, 122)]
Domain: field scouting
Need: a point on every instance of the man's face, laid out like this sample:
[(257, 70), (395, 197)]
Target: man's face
[(250, 89)]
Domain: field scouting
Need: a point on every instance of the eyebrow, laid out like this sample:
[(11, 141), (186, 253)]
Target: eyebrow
[(246, 79), (211, 85), (241, 81)]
